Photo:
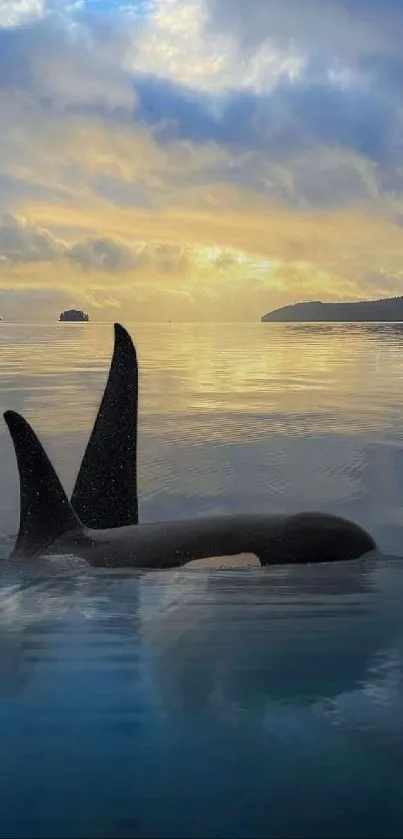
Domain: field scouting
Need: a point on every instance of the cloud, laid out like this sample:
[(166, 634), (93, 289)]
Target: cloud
[(191, 157), (295, 116), (232, 45), (233, 265), (100, 254), (342, 90), (90, 68), (172, 44), (17, 12), (22, 241), (344, 29), (67, 64), (25, 242)]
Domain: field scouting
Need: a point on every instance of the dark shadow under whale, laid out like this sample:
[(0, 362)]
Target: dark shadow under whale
[(50, 525), (105, 491)]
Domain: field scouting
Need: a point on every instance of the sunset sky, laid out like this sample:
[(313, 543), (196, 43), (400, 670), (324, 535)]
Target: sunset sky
[(198, 159)]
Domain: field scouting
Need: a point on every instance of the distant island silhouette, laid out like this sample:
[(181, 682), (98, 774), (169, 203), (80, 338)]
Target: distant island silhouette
[(74, 314), (385, 309)]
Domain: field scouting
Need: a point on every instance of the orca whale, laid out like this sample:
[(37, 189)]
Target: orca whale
[(105, 491), (50, 525)]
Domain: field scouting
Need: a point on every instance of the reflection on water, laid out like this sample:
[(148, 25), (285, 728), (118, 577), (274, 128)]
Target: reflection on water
[(231, 703), (202, 703)]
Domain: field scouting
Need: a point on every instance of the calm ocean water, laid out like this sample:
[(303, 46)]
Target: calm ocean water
[(241, 702)]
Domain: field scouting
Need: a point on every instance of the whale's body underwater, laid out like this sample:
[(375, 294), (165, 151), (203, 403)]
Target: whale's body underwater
[(100, 524)]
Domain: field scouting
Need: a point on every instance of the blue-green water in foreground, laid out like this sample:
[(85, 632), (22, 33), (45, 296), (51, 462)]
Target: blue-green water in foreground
[(235, 702)]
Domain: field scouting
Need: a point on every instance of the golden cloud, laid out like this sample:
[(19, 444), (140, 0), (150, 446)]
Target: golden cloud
[(163, 231)]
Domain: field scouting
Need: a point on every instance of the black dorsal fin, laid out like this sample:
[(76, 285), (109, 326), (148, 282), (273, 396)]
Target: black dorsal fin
[(45, 511), (105, 492)]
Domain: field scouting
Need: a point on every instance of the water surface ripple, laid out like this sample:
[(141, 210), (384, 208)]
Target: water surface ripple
[(235, 702)]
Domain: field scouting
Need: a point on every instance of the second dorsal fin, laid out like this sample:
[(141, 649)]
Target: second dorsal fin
[(45, 511), (105, 492)]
